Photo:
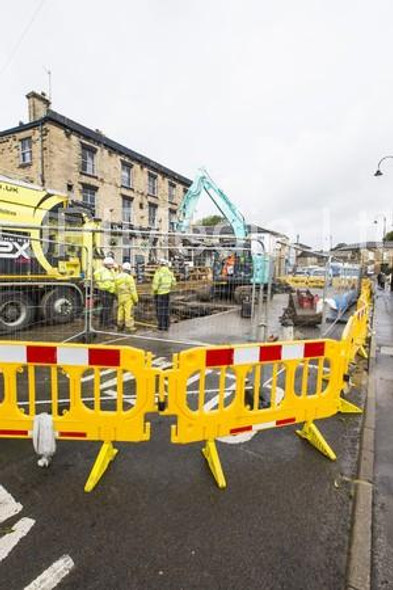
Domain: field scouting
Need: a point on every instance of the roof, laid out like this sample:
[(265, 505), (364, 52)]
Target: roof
[(365, 246), (226, 229), (302, 246), (311, 254), (53, 117)]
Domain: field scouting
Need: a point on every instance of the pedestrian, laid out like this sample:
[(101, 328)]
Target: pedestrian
[(127, 297), (105, 281), (381, 278), (163, 282)]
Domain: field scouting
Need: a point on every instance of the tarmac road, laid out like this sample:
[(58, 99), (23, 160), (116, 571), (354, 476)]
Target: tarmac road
[(157, 519)]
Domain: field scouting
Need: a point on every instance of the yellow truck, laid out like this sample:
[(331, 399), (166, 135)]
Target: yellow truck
[(47, 248)]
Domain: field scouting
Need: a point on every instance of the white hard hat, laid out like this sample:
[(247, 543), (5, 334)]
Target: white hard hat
[(126, 266), (108, 260), (163, 262)]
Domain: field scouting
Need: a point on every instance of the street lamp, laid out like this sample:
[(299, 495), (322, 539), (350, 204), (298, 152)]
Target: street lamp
[(379, 171)]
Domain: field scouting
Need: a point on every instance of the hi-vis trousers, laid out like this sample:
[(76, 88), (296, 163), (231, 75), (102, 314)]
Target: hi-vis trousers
[(125, 308)]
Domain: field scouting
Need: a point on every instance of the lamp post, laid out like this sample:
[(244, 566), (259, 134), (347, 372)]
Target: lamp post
[(379, 171), (383, 236)]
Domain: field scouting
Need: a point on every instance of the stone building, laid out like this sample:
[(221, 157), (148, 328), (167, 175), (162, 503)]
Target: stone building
[(125, 189), (372, 256)]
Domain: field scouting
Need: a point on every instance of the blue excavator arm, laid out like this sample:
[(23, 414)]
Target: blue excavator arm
[(203, 182)]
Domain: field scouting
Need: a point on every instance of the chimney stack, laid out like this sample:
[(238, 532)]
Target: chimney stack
[(38, 105)]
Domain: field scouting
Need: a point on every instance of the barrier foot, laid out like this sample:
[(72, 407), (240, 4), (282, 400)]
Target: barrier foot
[(311, 433), (347, 407), (363, 352), (211, 455), (105, 456)]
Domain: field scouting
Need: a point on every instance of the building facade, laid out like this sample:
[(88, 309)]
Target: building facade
[(373, 256), (125, 189)]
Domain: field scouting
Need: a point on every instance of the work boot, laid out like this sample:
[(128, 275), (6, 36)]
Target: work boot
[(120, 328)]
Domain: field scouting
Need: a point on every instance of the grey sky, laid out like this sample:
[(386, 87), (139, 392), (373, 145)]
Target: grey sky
[(288, 104)]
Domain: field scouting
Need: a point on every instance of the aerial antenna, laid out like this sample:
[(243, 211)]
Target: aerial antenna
[(49, 83)]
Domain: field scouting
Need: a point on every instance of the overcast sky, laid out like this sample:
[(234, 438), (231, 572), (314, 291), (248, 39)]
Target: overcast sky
[(289, 105)]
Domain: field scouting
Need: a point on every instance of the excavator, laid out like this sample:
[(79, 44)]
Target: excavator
[(242, 262)]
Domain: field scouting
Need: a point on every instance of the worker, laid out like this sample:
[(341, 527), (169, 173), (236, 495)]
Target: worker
[(105, 281), (127, 297), (229, 265), (163, 282)]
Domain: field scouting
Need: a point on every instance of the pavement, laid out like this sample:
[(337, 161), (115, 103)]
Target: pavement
[(157, 520), (382, 562)]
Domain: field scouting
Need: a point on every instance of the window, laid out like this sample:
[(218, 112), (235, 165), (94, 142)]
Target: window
[(127, 249), (152, 184), (126, 210), (26, 155), (172, 220), (89, 196), (88, 160), (152, 215), (171, 191), (126, 175)]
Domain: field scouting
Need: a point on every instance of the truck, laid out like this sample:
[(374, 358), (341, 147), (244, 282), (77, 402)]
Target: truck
[(239, 262), (47, 249)]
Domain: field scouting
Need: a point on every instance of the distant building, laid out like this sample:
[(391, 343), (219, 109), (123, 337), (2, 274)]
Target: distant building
[(124, 188), (371, 255), (306, 256)]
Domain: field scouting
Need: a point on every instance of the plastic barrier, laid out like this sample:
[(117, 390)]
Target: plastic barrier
[(274, 385), (356, 331), (35, 374), (303, 282)]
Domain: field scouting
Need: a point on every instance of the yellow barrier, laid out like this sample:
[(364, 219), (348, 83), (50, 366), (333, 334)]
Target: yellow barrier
[(356, 331), (302, 382), (303, 282), (33, 373)]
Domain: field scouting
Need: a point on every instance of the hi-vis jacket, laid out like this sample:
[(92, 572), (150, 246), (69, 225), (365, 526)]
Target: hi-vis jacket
[(163, 281), (105, 279), (125, 285)]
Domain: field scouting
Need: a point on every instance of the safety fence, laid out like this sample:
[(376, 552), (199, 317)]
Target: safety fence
[(212, 392), (48, 278)]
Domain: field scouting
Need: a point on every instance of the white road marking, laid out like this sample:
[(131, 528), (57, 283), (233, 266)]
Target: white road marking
[(196, 377), (171, 340), (112, 382), (91, 376), (8, 506), (52, 576), (19, 530), (213, 402), (243, 436)]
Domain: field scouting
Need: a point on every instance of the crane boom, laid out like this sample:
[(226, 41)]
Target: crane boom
[(203, 182)]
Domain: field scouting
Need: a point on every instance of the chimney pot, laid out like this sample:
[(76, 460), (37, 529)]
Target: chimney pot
[(38, 105)]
